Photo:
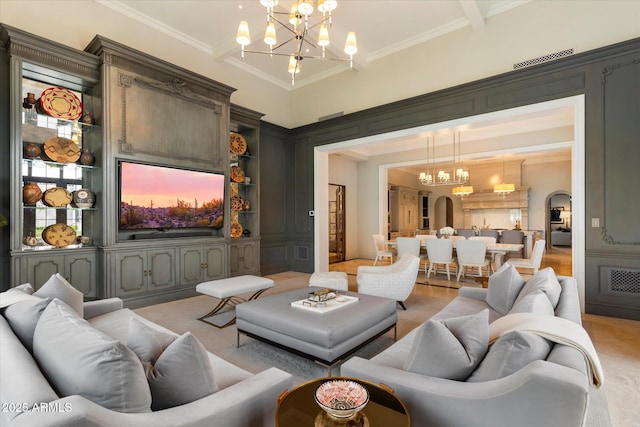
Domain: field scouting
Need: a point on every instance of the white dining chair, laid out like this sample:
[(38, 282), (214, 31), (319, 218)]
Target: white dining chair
[(424, 257), (440, 253), (382, 251), (454, 239), (410, 245), (533, 262), (472, 254)]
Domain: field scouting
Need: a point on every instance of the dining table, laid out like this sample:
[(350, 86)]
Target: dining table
[(497, 250)]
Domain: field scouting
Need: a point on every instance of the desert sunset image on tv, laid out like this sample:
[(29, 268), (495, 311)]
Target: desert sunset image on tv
[(158, 197)]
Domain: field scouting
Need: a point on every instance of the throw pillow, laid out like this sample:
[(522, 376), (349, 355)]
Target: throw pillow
[(504, 287), (58, 287), (17, 294), (178, 373), (23, 317), (510, 353), (546, 281), (535, 302), (450, 348), (77, 359)]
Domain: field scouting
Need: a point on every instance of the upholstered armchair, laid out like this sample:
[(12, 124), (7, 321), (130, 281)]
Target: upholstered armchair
[(395, 281)]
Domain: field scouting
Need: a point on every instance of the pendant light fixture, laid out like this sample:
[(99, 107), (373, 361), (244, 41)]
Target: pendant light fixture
[(503, 189)]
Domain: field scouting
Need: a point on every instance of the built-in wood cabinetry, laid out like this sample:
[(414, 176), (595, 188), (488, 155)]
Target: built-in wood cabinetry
[(143, 110), (404, 206)]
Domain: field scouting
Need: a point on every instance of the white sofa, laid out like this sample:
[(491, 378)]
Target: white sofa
[(547, 391), (28, 398)]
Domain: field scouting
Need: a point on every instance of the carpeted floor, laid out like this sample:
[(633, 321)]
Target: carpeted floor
[(615, 339)]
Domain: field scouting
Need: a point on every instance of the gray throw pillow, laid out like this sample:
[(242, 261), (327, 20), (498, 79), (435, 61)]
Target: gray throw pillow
[(510, 353), (17, 294), (77, 359), (178, 369), (535, 302), (58, 287), (450, 348), (504, 287), (23, 317), (546, 281)]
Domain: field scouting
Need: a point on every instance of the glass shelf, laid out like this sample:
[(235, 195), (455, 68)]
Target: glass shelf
[(57, 164), (33, 118), (66, 208)]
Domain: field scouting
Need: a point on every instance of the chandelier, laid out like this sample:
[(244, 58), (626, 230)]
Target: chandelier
[(458, 174), (503, 189), (298, 25)]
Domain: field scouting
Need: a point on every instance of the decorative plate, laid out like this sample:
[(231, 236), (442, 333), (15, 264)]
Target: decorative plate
[(237, 203), (237, 143), (62, 150), (61, 103), (236, 230), (56, 197), (59, 235), (237, 174)]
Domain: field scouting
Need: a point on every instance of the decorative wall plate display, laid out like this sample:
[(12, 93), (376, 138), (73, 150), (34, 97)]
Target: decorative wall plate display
[(56, 197), (237, 144), (236, 230), (61, 103), (237, 203), (237, 174), (59, 235), (62, 150)]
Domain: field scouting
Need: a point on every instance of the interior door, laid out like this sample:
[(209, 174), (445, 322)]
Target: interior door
[(336, 223)]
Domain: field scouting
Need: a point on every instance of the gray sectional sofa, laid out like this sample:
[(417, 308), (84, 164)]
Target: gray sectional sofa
[(30, 398), (551, 390)]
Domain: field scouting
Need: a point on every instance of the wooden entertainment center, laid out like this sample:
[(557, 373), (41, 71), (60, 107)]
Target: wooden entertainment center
[(144, 110)]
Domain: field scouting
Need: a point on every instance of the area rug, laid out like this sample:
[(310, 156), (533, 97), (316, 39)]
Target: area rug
[(254, 356)]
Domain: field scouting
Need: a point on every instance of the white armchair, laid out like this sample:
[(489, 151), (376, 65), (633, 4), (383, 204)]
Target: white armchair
[(395, 281)]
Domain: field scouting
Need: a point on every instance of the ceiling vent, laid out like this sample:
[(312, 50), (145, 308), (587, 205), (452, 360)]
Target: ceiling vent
[(543, 59)]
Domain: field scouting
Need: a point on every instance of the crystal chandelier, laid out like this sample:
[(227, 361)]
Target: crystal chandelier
[(298, 25), (503, 189), (458, 174)]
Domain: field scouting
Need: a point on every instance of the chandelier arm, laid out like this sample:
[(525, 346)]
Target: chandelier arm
[(282, 24)]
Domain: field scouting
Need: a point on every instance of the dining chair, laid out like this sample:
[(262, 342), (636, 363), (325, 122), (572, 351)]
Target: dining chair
[(382, 251), (440, 253), (424, 257), (513, 237), (454, 239), (409, 245), (472, 254), (466, 232), (490, 233), (533, 262)]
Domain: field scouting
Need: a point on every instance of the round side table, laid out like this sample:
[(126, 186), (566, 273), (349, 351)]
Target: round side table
[(298, 408)]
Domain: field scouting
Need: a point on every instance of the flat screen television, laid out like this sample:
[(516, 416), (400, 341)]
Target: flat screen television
[(164, 198)]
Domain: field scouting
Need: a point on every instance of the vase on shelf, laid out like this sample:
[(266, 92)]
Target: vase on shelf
[(31, 193), (86, 158), (31, 151)]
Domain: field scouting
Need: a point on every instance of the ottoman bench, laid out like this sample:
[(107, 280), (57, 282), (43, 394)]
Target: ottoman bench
[(327, 338), (227, 290)]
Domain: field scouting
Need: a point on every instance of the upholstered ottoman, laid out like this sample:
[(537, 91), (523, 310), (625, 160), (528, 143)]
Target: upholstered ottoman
[(326, 338), (331, 279)]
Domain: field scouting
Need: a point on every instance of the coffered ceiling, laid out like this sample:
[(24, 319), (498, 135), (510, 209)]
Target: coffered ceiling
[(383, 27)]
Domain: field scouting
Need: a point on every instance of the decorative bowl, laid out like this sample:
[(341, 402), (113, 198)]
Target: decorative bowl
[(341, 398)]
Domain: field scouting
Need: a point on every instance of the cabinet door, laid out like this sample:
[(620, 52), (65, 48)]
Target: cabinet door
[(161, 273), (214, 262), (131, 269), (191, 266), (40, 269), (80, 271), (244, 258)]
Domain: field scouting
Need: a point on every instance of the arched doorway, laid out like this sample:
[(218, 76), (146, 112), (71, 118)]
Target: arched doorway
[(443, 213), (558, 221)]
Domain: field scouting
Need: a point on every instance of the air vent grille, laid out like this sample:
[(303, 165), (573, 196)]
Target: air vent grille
[(302, 253), (626, 281), (542, 59)]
